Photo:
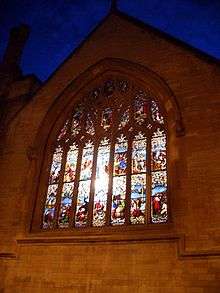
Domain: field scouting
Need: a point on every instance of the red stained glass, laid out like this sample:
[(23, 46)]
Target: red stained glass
[(118, 200), (138, 199), (82, 203), (90, 181), (71, 162), (159, 197)]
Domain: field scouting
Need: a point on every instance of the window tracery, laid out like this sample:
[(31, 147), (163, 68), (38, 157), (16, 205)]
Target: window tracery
[(109, 166)]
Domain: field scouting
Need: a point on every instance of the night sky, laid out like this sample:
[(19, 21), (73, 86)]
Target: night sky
[(59, 26)]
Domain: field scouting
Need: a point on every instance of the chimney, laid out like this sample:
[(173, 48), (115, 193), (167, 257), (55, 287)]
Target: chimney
[(17, 40)]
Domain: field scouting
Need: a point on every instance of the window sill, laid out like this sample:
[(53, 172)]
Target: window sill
[(159, 232)]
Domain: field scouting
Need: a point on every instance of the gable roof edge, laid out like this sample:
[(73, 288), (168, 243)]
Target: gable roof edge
[(196, 52)]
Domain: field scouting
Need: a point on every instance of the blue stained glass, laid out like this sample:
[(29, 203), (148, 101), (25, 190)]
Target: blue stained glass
[(49, 209), (138, 199), (65, 207), (158, 153), (139, 156)]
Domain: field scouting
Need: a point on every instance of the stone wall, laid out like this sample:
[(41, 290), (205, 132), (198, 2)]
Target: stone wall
[(148, 266)]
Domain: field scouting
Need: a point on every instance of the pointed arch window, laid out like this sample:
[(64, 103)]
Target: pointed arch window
[(109, 164)]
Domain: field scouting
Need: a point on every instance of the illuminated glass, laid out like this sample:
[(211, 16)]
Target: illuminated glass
[(138, 199), (109, 167), (159, 213), (49, 210), (66, 203), (71, 161), (101, 184)]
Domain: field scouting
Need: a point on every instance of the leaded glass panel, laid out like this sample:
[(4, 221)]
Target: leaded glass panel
[(109, 167)]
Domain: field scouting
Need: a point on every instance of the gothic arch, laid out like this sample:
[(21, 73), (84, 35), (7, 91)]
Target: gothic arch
[(78, 89)]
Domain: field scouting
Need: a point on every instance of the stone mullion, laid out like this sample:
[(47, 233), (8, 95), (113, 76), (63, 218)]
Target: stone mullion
[(110, 183), (92, 185)]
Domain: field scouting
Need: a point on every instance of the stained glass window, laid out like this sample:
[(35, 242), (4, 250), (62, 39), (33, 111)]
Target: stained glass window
[(159, 177), (138, 180), (101, 184), (109, 165)]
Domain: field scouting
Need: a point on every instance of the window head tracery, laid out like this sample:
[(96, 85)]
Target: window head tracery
[(109, 165)]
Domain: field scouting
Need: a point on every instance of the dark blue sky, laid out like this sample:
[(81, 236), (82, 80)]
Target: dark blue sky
[(58, 26)]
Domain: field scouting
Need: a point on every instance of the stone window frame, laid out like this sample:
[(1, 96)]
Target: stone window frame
[(40, 153)]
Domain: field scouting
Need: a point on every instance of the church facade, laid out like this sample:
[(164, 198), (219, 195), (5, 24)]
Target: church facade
[(177, 253)]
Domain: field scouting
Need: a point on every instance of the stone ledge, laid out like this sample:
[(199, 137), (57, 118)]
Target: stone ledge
[(179, 239)]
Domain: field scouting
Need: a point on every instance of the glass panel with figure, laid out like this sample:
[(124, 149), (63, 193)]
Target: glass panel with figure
[(65, 205), (138, 199), (71, 162), (109, 167), (139, 155), (159, 197), (120, 157), (82, 203), (101, 184), (158, 151), (56, 166), (118, 200), (87, 161), (49, 208)]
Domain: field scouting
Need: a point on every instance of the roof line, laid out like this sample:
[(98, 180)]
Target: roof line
[(176, 41), (200, 54)]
